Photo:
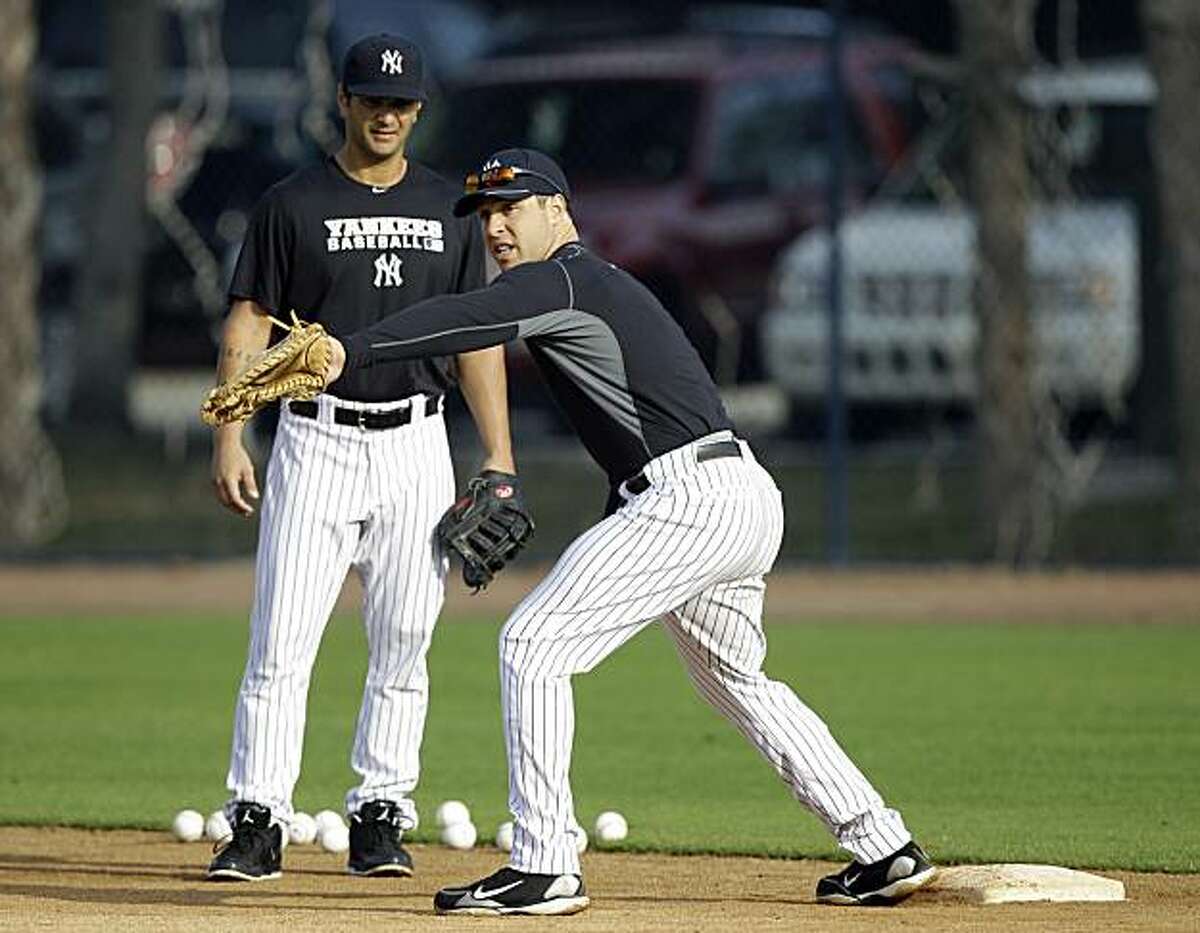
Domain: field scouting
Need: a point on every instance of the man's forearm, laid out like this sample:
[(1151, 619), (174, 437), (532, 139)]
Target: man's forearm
[(484, 385), (447, 325), (245, 334)]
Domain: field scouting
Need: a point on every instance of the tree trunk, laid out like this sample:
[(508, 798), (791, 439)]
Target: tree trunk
[(1173, 39), (110, 295), (32, 503), (996, 45)]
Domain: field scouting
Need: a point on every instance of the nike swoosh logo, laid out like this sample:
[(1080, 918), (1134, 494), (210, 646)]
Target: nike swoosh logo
[(850, 879), (480, 894)]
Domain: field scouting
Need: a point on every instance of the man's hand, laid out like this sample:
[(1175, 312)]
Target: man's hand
[(337, 360), (233, 472), (487, 527), (296, 367)]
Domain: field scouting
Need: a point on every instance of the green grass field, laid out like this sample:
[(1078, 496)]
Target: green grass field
[(1076, 745)]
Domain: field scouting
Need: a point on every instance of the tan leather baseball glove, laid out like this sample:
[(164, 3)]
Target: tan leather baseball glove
[(294, 367)]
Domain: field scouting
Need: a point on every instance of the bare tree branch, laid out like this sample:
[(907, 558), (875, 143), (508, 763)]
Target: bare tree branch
[(32, 502), (996, 49), (1173, 38)]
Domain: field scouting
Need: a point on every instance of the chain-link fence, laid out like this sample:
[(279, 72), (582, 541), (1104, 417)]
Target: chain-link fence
[(1013, 279), (915, 272)]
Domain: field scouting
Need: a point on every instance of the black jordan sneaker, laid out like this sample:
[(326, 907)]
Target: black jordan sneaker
[(253, 852), (375, 841), (881, 883), (509, 891)]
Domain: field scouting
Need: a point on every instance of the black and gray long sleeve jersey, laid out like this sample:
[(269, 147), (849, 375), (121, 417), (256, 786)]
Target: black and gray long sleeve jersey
[(625, 374)]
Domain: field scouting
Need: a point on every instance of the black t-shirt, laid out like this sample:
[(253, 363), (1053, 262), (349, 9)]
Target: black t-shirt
[(347, 254), (615, 360)]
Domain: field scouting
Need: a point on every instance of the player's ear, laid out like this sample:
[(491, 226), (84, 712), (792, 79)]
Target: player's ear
[(343, 100)]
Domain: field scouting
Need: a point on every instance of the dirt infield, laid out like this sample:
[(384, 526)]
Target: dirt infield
[(917, 594), (85, 880)]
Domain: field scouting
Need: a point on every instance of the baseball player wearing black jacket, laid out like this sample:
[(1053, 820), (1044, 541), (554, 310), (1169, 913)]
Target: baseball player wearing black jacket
[(694, 524)]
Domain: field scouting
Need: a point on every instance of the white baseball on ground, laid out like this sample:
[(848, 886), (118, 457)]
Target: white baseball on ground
[(450, 812), (459, 835), (188, 825), (217, 827), (504, 836), (302, 830), (611, 826), (327, 818), (335, 838)]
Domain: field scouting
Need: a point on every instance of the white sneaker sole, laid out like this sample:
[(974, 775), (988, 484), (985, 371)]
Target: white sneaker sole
[(890, 894), (232, 874), (398, 871), (560, 906)]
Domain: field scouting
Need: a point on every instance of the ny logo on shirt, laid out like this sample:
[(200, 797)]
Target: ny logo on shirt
[(392, 62), (387, 270)]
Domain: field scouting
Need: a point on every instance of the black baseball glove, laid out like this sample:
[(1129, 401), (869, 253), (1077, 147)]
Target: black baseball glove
[(486, 527)]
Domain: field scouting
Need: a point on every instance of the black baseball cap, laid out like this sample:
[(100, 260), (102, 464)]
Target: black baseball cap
[(384, 66), (511, 175)]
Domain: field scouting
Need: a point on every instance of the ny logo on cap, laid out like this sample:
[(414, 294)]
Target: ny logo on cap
[(392, 62)]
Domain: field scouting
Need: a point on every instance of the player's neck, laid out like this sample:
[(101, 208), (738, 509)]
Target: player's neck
[(370, 171), (568, 234)]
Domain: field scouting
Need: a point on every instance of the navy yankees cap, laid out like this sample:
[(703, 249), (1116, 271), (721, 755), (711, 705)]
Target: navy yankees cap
[(384, 66), (510, 175)]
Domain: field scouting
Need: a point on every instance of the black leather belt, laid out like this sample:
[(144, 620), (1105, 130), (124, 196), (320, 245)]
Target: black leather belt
[(638, 484), (365, 418)]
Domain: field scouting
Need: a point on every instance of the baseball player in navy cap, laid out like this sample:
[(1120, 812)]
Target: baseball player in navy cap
[(694, 523), (513, 175), (384, 66), (360, 475)]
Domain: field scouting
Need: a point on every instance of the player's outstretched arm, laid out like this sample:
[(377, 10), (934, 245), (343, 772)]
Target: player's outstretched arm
[(509, 308)]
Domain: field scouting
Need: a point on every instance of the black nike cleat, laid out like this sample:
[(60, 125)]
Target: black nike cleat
[(253, 852), (509, 891), (375, 841), (881, 883)]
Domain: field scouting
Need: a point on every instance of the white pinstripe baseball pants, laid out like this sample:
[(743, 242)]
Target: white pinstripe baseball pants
[(338, 497), (691, 550)]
